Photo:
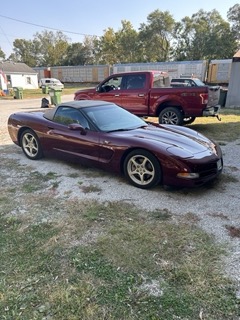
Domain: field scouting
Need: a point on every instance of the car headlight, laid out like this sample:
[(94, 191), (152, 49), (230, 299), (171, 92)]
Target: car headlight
[(179, 152)]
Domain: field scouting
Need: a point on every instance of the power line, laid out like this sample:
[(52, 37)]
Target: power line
[(38, 25), (6, 36)]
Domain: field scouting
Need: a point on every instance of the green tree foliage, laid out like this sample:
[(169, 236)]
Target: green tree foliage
[(234, 17), (81, 53), (89, 44), (2, 54), (127, 43), (53, 47), (106, 48), (26, 51), (156, 35), (203, 36), (75, 55), (46, 49)]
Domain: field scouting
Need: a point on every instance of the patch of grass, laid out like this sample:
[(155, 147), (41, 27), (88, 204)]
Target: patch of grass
[(6, 206), (37, 180), (230, 111), (226, 178), (233, 231), (228, 129), (69, 259), (163, 214), (74, 175), (37, 93), (140, 266), (90, 189)]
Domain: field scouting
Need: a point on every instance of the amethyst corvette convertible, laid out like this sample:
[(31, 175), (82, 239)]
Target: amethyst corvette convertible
[(101, 134)]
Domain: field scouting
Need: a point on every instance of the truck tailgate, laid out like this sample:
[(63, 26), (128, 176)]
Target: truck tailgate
[(213, 95)]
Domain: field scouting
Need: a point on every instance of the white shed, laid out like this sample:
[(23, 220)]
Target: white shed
[(17, 74)]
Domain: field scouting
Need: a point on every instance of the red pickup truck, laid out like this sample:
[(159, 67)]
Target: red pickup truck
[(149, 94)]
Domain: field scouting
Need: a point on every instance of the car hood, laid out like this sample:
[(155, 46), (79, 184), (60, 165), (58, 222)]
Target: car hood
[(183, 143)]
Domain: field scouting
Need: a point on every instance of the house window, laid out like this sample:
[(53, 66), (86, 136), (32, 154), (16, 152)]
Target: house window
[(29, 80), (8, 79)]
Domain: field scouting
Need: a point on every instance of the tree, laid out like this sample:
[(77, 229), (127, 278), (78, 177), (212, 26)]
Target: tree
[(127, 43), (75, 55), (90, 45), (2, 54), (203, 36), (156, 36), (26, 51), (106, 48), (234, 17), (46, 49), (52, 46)]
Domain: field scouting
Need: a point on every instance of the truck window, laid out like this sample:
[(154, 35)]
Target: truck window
[(160, 81), (114, 83), (136, 81)]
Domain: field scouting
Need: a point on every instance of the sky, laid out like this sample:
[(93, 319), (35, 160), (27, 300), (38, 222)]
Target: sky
[(23, 19)]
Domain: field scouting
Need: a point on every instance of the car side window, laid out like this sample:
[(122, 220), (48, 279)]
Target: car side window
[(68, 115)]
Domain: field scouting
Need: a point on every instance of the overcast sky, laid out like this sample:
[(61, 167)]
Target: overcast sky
[(22, 19)]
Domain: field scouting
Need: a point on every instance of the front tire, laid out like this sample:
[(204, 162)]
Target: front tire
[(30, 145), (142, 169), (171, 115)]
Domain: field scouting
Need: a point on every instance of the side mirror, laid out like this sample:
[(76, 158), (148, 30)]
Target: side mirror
[(77, 127)]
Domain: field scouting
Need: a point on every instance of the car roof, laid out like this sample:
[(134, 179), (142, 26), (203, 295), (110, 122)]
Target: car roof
[(190, 78), (77, 104)]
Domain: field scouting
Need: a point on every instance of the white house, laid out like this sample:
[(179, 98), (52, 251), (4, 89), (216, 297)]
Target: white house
[(15, 74)]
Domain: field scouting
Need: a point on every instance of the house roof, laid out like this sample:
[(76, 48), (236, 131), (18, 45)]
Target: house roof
[(15, 67)]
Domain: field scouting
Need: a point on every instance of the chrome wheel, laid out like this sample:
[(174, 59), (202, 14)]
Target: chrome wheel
[(142, 169), (30, 145), (171, 116)]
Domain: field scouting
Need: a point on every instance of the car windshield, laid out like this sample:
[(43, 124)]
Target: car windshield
[(113, 118), (199, 83)]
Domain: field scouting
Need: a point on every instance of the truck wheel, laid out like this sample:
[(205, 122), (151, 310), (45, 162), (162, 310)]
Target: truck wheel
[(171, 115), (188, 120), (142, 169)]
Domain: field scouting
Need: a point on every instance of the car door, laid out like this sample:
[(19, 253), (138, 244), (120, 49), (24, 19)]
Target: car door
[(134, 94), (127, 91), (67, 141), (110, 90)]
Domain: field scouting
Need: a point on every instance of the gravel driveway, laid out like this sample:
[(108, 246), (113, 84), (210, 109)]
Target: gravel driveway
[(215, 207)]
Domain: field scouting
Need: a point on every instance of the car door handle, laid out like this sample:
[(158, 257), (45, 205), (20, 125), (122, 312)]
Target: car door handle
[(141, 95), (117, 95)]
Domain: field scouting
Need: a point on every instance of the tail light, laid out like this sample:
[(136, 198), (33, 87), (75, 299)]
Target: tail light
[(204, 97)]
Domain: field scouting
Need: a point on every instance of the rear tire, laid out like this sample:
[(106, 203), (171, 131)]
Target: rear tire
[(188, 120), (142, 169), (30, 145), (171, 115)]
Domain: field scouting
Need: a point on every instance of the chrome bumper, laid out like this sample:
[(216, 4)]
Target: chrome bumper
[(212, 111)]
